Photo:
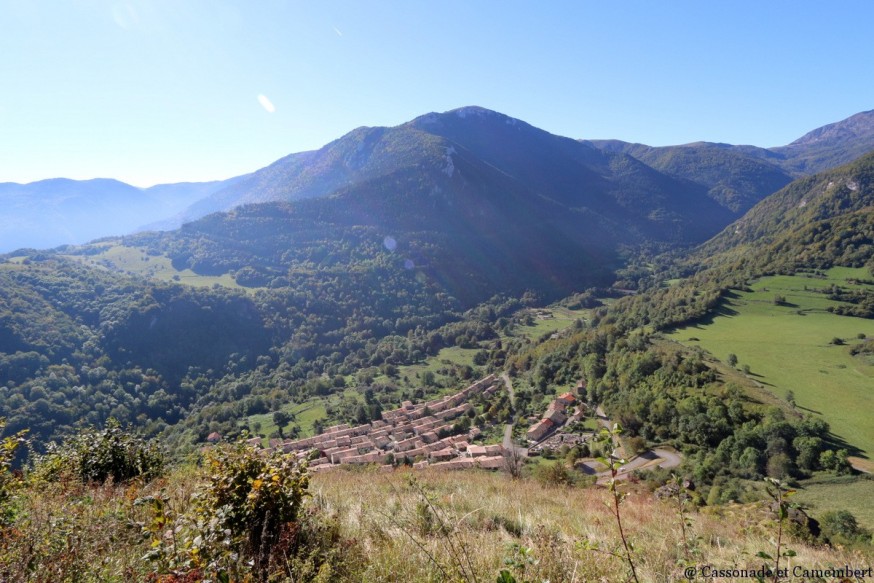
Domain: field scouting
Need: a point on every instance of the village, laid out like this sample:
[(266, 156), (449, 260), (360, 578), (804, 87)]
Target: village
[(425, 431), (424, 435)]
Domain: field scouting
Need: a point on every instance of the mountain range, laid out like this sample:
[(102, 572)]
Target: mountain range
[(676, 193), (388, 245), (59, 211)]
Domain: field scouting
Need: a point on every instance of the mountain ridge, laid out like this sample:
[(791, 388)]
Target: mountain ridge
[(752, 173), (56, 211)]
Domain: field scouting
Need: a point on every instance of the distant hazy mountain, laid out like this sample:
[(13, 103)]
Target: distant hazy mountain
[(676, 193), (59, 211), (479, 203), (563, 171)]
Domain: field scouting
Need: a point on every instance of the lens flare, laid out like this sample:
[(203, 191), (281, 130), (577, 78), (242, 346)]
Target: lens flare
[(266, 103)]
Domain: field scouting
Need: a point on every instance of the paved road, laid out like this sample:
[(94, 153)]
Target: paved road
[(508, 429), (506, 378), (658, 457), (669, 459)]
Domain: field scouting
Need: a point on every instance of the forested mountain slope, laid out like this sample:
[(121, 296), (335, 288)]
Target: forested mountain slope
[(829, 213), (740, 176), (818, 222), (737, 177)]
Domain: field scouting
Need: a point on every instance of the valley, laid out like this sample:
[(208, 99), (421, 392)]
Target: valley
[(365, 306)]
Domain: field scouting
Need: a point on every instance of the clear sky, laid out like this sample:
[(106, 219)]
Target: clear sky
[(151, 91)]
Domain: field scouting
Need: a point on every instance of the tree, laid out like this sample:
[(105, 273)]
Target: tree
[(281, 419), (732, 359), (841, 525), (514, 460), (809, 449)]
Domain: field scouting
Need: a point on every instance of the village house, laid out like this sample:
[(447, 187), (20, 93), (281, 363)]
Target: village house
[(537, 431)]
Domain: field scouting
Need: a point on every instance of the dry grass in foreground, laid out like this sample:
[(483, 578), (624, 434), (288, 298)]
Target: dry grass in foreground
[(416, 526), (443, 526)]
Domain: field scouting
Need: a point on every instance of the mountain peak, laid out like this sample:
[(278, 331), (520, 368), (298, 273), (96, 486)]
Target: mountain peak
[(831, 145), (471, 110), (858, 125), (468, 112)]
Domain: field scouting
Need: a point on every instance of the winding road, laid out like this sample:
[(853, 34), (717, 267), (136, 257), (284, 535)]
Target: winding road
[(668, 458)]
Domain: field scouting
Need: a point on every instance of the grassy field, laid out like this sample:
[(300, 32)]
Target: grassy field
[(551, 320), (410, 376), (135, 261), (790, 347), (839, 493), (305, 414)]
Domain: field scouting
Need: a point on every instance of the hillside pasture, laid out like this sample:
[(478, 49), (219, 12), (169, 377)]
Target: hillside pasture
[(797, 345), (821, 495), (136, 261), (549, 321)]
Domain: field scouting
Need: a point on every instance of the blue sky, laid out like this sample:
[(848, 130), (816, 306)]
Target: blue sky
[(151, 91)]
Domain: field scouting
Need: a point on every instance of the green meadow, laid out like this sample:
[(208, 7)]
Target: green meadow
[(550, 320), (821, 495), (135, 261), (790, 347)]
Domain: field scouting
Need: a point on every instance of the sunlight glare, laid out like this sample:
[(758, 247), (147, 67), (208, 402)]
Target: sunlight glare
[(266, 103)]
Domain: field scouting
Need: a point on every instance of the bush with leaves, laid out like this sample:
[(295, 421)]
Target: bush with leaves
[(8, 481), (840, 526), (98, 455), (253, 495), (247, 522)]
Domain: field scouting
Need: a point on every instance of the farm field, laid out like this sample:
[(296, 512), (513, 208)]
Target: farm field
[(791, 347)]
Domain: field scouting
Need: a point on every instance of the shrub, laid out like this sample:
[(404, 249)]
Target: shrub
[(557, 474), (248, 523), (94, 455), (253, 495), (8, 481), (840, 526)]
